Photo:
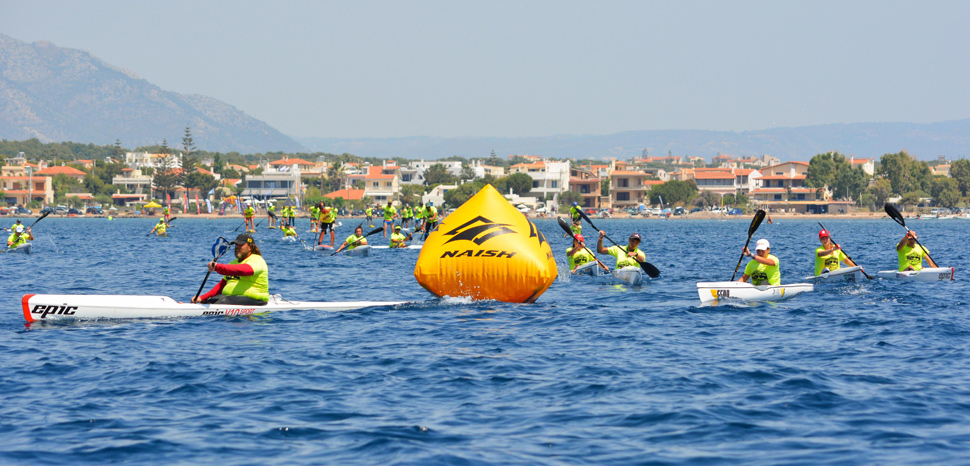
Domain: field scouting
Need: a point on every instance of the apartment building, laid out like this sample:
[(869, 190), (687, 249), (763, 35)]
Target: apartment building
[(548, 178), (585, 183), (629, 188), (783, 188)]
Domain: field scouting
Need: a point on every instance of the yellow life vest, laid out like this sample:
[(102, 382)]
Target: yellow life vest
[(255, 286)]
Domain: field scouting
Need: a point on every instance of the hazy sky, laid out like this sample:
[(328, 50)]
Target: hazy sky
[(531, 68)]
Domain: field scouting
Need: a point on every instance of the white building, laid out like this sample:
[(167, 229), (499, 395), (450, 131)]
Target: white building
[(437, 195), (548, 178), (414, 172)]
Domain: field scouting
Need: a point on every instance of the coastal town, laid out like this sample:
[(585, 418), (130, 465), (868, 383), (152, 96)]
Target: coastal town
[(536, 185)]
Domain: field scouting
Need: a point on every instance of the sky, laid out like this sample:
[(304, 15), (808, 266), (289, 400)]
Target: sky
[(351, 69)]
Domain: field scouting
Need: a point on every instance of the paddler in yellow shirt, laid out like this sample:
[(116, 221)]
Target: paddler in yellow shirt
[(764, 268), (398, 239), (911, 255), (160, 228), (579, 254), (328, 216), (245, 280), (625, 257), (249, 213), (271, 213), (390, 213), (829, 256), (354, 240), (288, 231), (369, 212), (19, 237)]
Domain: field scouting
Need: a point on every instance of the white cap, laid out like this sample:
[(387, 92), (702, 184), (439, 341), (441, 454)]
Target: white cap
[(20, 228), (762, 245)]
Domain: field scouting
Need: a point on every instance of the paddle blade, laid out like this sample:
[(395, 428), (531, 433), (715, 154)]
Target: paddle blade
[(220, 247), (895, 215), (565, 227), (759, 217), (376, 230), (650, 270)]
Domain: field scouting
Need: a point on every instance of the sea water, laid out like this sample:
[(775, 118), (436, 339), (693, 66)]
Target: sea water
[(595, 372)]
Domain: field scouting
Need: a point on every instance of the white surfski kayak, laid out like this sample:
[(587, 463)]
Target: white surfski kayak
[(632, 275), (590, 268), (288, 239), (927, 274), (359, 251), (842, 275), (22, 249), (43, 307), (744, 291), (410, 246)]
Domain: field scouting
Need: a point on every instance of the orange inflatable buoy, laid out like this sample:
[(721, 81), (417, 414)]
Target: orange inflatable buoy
[(486, 249)]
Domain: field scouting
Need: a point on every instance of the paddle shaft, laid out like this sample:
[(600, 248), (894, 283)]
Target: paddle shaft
[(647, 267), (197, 293), (898, 218), (759, 216), (562, 224), (870, 277)]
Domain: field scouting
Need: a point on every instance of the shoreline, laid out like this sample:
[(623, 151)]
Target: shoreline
[(624, 216)]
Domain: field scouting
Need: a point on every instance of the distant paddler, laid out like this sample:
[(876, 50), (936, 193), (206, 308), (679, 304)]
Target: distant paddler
[(271, 215), (576, 227), (369, 212), (249, 213), (829, 256), (911, 254), (167, 213), (245, 280), (328, 216), (288, 231), (625, 257), (430, 219), (407, 214), (160, 228), (574, 212), (15, 225), (398, 240), (315, 217), (390, 213), (354, 240), (764, 268), (419, 214), (578, 254), (19, 236)]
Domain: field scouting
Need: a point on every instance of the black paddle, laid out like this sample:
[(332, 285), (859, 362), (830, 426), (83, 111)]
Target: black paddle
[(222, 248), (870, 277), (759, 216), (31, 226), (166, 223), (376, 230), (898, 217), (647, 267), (569, 231)]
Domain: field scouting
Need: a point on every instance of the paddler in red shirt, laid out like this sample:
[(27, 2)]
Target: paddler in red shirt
[(246, 279)]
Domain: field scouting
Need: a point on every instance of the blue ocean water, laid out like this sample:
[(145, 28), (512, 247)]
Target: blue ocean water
[(593, 373)]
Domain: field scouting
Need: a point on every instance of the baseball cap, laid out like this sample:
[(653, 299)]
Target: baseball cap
[(580, 238), (762, 245), (19, 228), (823, 234), (397, 227), (244, 238), (635, 236)]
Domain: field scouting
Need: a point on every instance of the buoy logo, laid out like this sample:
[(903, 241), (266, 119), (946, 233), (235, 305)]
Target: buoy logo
[(478, 230)]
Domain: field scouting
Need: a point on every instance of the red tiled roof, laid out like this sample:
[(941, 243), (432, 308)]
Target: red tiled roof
[(782, 190), (60, 170), (349, 194), (230, 181), (860, 160), (374, 173), (290, 162)]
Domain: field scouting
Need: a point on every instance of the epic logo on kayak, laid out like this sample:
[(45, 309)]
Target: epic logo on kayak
[(230, 312), (44, 309)]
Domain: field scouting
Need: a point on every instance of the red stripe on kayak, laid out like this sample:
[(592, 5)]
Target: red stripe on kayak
[(953, 273), (26, 305)]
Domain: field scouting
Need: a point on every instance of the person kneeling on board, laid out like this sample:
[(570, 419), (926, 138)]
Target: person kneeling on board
[(246, 279), (911, 255), (829, 256), (354, 240), (764, 268), (397, 238), (625, 257), (160, 228)]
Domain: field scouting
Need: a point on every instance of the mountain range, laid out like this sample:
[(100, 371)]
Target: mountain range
[(923, 141), (60, 94)]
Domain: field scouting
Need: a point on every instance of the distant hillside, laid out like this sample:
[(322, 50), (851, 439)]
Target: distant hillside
[(59, 94), (924, 141)]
